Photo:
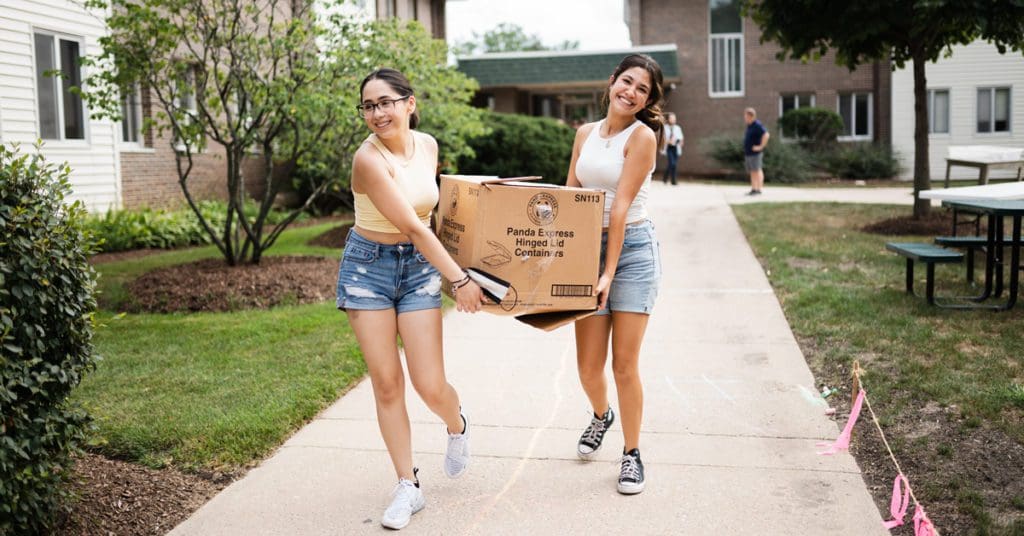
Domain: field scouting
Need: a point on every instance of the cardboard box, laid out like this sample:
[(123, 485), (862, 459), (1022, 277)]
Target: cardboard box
[(544, 241)]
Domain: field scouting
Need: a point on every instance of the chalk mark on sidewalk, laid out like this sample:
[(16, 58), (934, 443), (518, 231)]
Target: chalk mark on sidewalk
[(532, 445)]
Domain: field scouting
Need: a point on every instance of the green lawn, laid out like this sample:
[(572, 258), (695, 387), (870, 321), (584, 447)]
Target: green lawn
[(948, 386), (213, 391), (844, 292)]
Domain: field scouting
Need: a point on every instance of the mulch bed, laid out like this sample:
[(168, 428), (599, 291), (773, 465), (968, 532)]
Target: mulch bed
[(936, 223), (333, 238), (126, 499), (212, 285)]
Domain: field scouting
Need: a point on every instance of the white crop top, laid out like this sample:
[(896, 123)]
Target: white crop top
[(416, 180), (600, 164)]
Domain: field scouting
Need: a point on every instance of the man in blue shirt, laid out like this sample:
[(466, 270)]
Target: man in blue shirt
[(754, 142)]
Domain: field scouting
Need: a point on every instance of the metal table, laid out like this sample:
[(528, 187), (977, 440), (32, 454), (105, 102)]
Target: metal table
[(996, 210)]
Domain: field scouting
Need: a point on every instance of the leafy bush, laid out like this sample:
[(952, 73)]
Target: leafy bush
[(815, 128), (863, 161), (783, 162), (46, 327), (121, 230), (521, 145)]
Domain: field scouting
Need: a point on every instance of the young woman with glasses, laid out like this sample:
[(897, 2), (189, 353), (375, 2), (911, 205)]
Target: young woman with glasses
[(389, 282)]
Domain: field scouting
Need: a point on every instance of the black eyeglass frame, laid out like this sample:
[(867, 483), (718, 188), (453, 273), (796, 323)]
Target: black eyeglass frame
[(369, 107)]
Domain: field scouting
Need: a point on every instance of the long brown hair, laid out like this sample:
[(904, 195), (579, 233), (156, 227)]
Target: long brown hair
[(650, 115), (399, 83)]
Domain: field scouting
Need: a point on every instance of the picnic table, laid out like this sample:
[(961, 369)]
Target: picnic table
[(984, 157)]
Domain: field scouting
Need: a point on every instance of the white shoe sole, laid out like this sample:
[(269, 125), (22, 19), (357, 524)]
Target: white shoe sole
[(587, 455), (395, 526), (630, 489)]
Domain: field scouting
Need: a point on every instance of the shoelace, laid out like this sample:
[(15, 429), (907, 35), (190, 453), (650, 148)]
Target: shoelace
[(403, 487), (630, 469), (594, 431)]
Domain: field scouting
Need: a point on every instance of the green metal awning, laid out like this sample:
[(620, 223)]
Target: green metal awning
[(560, 68)]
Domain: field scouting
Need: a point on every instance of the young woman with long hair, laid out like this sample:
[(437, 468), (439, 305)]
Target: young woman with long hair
[(617, 154), (389, 282)]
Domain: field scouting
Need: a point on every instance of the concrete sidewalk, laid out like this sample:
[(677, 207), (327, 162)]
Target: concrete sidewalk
[(731, 420)]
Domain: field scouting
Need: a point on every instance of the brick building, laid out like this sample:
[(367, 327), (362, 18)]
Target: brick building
[(715, 66)]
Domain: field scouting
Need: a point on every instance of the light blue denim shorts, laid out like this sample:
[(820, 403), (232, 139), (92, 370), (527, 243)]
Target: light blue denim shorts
[(638, 273), (375, 276)]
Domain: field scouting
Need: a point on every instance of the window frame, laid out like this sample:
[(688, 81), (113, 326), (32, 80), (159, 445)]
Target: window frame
[(192, 109), (782, 96), (853, 102), (138, 112), (727, 38), (992, 110), (55, 37), (931, 111)]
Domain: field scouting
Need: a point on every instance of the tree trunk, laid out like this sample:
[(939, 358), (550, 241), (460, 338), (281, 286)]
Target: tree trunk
[(922, 173)]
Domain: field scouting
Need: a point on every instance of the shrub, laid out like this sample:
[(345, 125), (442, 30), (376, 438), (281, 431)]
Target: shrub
[(121, 230), (815, 128), (521, 145), (783, 162), (863, 161), (46, 326)]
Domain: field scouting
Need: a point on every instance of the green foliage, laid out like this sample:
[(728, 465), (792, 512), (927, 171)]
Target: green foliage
[(507, 37), (783, 162), (46, 328), (862, 161), (521, 145), (900, 30), (243, 75), (442, 98), (122, 230), (817, 128)]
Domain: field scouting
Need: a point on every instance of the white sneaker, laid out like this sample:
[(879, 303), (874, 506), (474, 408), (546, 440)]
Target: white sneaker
[(406, 500), (456, 458)]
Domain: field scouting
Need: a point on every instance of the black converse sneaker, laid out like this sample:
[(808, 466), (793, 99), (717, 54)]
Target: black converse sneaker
[(591, 439), (631, 475)]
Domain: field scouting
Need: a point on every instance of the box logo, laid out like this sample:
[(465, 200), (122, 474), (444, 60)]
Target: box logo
[(542, 209)]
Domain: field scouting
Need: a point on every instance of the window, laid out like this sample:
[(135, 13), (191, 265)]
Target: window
[(725, 48), (793, 102), (855, 109), (131, 117), (938, 111), (993, 109), (61, 115), (185, 99)]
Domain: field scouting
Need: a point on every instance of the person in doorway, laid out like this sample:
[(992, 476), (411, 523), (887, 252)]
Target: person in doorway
[(754, 141), (617, 154), (673, 146), (389, 282)]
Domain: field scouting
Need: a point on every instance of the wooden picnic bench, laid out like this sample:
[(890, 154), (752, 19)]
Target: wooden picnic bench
[(984, 157)]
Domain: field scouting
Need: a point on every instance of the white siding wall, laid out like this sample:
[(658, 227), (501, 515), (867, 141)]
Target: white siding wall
[(94, 162), (969, 68)]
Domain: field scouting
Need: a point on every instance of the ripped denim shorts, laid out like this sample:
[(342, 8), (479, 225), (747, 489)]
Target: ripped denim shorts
[(377, 276)]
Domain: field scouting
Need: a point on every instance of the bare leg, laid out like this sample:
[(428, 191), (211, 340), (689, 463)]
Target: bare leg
[(591, 355), (376, 332), (757, 180), (627, 336), (424, 355)]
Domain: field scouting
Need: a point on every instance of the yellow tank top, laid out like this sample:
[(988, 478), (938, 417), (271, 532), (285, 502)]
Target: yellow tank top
[(414, 177)]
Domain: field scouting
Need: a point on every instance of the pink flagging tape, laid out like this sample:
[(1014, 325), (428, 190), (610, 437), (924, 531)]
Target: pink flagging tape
[(843, 441), (900, 501), (922, 525)]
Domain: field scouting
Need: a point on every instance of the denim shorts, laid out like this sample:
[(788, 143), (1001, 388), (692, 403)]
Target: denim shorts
[(753, 162), (638, 273), (375, 276)]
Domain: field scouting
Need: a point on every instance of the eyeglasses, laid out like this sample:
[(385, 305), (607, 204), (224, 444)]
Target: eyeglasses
[(384, 105)]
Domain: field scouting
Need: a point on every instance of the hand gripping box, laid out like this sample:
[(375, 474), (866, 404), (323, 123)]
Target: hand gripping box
[(541, 242)]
